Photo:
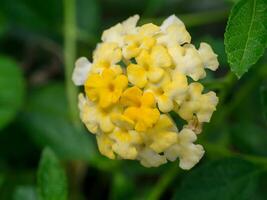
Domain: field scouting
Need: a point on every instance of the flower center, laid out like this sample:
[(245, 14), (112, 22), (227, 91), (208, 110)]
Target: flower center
[(105, 64), (111, 87), (159, 91)]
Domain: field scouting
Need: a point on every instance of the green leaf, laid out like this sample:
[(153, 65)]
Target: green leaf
[(47, 122), (25, 193), (225, 179), (264, 101), (11, 90), (246, 34), (51, 177)]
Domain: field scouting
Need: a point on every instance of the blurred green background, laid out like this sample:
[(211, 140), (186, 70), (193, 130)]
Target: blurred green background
[(39, 42)]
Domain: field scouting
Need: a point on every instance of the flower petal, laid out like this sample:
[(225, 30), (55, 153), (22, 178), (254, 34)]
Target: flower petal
[(131, 96), (137, 75), (150, 158), (208, 56), (105, 145), (188, 152), (81, 71), (173, 19)]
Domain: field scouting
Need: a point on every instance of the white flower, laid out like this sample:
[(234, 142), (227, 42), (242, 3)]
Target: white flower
[(208, 57), (188, 152), (202, 105), (174, 31), (150, 158), (81, 71), (116, 33), (188, 61), (95, 118)]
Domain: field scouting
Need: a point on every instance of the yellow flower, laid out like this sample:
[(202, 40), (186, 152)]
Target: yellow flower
[(104, 144), (117, 32), (132, 121), (162, 135), (172, 89), (106, 88), (94, 117), (142, 40), (202, 105), (188, 152), (141, 108), (106, 56), (149, 67), (125, 143)]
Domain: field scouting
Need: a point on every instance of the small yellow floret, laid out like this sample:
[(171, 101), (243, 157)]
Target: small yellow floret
[(162, 135), (106, 88), (96, 118), (202, 105), (172, 90), (141, 108), (104, 144), (106, 56), (125, 142), (160, 57), (143, 40), (139, 74)]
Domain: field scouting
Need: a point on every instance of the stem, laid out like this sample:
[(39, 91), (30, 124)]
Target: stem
[(76, 168), (164, 181), (69, 57), (195, 19)]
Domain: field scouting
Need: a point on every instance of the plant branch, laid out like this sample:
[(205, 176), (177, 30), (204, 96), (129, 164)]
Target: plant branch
[(69, 57)]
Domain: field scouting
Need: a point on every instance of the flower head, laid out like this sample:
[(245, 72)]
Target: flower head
[(138, 75)]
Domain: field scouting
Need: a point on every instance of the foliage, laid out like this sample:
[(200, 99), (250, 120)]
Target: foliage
[(11, 90), (48, 104), (45, 153), (230, 178), (51, 178), (246, 34)]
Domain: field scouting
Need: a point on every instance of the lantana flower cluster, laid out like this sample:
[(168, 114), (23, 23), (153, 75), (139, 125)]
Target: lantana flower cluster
[(138, 76)]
